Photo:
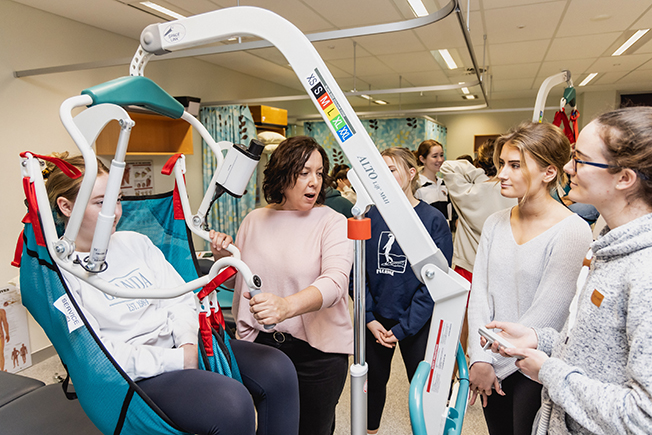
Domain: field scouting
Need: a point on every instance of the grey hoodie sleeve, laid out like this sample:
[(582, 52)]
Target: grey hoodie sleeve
[(610, 407)]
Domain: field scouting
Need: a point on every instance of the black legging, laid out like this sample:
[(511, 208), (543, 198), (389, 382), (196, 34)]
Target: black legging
[(513, 413), (379, 360), (322, 377), (203, 402)]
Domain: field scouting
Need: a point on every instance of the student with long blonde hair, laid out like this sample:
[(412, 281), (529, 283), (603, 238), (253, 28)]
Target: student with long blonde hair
[(525, 269)]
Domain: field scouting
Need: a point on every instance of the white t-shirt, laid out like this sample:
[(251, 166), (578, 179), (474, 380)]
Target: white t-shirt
[(142, 335)]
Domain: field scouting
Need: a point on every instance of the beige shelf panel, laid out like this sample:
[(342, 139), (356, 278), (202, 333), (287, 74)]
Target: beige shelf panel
[(152, 135)]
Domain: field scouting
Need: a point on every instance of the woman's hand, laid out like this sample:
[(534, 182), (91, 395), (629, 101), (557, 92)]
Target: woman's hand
[(531, 362), (482, 378), (190, 356), (379, 331), (268, 309), (518, 335), (219, 243)]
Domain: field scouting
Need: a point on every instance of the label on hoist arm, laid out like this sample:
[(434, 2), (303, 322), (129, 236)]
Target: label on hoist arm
[(439, 357), (329, 106)]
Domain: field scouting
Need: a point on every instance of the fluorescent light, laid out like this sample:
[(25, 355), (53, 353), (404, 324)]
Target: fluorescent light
[(381, 102), (466, 91), (588, 79), (366, 97), (162, 10), (635, 37), (468, 97), (448, 59), (418, 8)]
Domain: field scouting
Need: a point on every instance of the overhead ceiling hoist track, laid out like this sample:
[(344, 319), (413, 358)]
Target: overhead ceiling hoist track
[(450, 8)]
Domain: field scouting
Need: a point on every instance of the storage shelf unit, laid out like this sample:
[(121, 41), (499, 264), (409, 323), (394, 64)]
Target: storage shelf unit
[(152, 135), (269, 118)]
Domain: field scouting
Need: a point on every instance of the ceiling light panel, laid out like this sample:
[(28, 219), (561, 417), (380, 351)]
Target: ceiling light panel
[(162, 9), (587, 79), (418, 8), (631, 41)]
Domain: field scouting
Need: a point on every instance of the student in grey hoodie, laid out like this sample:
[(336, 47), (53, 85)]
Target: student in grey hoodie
[(597, 372)]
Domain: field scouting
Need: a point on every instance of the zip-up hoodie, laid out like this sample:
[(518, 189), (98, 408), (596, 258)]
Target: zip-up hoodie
[(599, 376)]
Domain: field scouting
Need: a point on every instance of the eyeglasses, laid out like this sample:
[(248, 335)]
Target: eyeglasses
[(575, 161)]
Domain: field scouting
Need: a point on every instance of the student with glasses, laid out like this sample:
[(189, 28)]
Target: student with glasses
[(597, 372)]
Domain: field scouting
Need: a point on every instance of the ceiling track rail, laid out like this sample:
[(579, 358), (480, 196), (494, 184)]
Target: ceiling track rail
[(314, 37), (450, 8)]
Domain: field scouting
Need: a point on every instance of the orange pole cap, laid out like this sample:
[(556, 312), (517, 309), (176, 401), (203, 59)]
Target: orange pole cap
[(359, 229)]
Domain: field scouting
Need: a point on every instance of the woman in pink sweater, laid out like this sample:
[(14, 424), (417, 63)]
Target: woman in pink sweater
[(300, 250)]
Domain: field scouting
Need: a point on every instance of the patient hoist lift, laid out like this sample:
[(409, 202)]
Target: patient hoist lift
[(429, 401)]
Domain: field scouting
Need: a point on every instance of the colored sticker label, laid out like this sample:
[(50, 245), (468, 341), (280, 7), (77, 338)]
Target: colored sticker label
[(331, 108)]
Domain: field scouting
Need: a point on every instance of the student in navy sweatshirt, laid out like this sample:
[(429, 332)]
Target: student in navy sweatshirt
[(398, 305)]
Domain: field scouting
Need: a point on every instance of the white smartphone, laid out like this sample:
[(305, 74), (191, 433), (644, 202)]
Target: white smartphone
[(491, 336)]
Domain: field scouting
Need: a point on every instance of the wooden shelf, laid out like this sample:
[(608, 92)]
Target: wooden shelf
[(152, 135)]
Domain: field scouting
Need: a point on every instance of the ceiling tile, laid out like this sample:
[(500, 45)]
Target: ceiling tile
[(296, 12), (398, 42), (496, 4), (518, 52), (517, 71), (575, 66), (592, 46), (586, 17), (430, 78), (409, 62), (608, 78), (641, 78), (363, 66), (347, 14), (619, 63), (645, 22), (511, 85), (339, 49), (646, 48), (538, 21), (442, 34)]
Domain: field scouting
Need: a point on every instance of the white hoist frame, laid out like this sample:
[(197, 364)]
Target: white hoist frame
[(448, 289)]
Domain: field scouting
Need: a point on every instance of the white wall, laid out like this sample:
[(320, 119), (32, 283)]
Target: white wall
[(29, 109)]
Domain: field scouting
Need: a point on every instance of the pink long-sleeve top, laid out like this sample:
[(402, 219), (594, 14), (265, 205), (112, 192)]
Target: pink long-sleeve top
[(290, 251)]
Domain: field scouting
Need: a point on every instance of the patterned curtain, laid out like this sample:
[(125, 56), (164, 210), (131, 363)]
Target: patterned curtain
[(233, 124), (386, 133)]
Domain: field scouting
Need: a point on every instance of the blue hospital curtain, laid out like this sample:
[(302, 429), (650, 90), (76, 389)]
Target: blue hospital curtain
[(385, 132), (234, 124)]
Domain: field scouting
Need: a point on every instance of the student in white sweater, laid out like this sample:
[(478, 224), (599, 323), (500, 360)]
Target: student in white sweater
[(155, 340), (525, 269)]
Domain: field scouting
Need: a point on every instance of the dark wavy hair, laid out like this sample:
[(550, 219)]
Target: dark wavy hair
[(285, 164)]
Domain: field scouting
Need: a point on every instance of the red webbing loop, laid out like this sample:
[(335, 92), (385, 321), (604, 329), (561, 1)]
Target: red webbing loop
[(176, 202), (575, 114), (217, 318), (169, 165), (32, 211), (19, 250), (176, 199), (217, 281), (67, 168), (206, 333), (560, 117)]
